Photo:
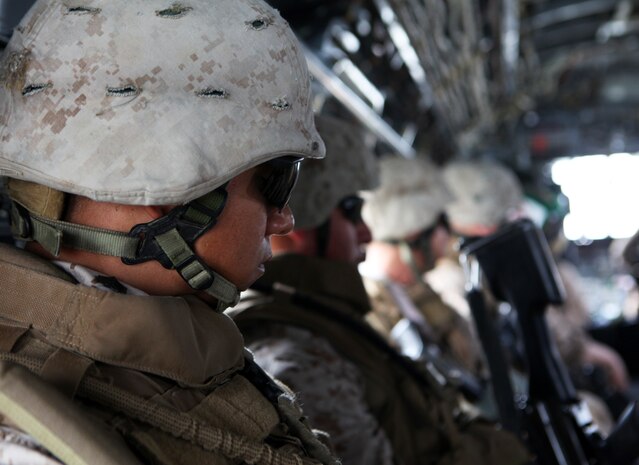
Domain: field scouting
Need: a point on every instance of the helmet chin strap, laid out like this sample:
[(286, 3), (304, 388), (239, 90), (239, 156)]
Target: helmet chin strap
[(168, 240), (406, 255)]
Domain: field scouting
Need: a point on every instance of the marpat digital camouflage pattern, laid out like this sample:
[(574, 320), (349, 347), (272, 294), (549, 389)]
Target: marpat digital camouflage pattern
[(411, 198), (485, 193), (88, 107), (349, 167)]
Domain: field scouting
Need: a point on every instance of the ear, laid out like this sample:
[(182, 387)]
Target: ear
[(153, 212)]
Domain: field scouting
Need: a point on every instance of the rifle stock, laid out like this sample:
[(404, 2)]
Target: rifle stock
[(519, 269)]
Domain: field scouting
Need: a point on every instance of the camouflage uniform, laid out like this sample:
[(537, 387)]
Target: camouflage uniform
[(411, 200), (145, 396), (141, 104), (451, 332), (487, 196), (306, 323), (375, 409), (329, 385)]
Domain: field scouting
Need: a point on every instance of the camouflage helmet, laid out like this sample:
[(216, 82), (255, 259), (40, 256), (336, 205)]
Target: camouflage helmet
[(350, 166), (139, 102), (411, 198), (149, 103), (485, 193)]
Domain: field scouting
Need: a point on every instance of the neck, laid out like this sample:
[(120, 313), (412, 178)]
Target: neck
[(150, 277)]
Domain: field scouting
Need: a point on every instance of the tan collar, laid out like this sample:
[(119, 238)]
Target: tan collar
[(180, 338), (326, 278)]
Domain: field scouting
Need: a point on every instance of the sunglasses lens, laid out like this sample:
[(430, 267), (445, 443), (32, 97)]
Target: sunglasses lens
[(352, 208), (280, 180)]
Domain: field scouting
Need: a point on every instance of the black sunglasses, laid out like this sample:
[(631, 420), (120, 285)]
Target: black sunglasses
[(351, 208), (278, 179)]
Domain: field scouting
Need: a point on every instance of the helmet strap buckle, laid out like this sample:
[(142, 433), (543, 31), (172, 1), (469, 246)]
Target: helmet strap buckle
[(190, 221)]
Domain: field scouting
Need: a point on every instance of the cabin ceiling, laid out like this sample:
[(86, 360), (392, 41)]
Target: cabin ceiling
[(521, 80)]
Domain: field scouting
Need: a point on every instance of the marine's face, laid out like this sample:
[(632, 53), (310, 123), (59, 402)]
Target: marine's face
[(427, 254), (239, 244), (347, 237), (439, 241)]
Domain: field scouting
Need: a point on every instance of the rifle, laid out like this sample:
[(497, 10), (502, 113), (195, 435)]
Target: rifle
[(518, 266), (414, 337)]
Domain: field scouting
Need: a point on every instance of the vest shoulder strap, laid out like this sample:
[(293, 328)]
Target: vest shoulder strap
[(56, 422)]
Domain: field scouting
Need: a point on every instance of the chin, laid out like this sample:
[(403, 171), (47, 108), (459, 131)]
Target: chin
[(246, 283)]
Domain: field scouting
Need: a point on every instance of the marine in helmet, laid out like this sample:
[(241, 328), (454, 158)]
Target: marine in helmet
[(410, 231), (305, 322), (487, 196), (150, 150), (319, 258)]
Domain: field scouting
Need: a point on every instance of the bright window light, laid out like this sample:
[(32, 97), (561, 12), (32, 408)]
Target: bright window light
[(602, 191)]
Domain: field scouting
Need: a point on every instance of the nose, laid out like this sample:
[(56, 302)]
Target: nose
[(279, 222)]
